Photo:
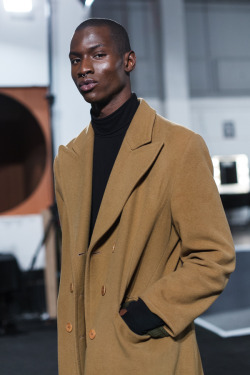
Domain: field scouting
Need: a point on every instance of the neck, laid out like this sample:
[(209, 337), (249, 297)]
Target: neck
[(116, 123), (101, 110)]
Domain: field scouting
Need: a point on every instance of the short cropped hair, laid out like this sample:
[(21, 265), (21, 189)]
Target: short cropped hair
[(117, 31)]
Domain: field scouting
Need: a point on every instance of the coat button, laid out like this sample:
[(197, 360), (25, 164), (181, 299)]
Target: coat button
[(113, 247), (103, 291), (71, 287), (92, 334), (69, 327)]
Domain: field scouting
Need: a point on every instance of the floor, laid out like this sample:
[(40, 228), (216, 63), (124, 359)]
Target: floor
[(224, 356), (31, 350)]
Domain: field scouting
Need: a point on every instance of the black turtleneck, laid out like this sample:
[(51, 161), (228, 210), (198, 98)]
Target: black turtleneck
[(109, 134)]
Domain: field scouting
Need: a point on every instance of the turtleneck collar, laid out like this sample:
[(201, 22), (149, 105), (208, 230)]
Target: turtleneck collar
[(118, 121)]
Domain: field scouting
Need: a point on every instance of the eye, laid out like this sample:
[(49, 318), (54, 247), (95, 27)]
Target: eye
[(74, 61), (99, 55)]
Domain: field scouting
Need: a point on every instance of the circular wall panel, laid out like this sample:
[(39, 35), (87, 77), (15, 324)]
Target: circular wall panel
[(25, 151)]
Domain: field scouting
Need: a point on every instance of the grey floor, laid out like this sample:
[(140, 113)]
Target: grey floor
[(32, 350), (231, 320)]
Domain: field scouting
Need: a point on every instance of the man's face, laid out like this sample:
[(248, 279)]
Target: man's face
[(96, 66)]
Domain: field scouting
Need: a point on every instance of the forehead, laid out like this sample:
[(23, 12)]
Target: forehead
[(92, 36)]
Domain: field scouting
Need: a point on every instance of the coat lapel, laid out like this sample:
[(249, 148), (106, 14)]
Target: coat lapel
[(135, 157)]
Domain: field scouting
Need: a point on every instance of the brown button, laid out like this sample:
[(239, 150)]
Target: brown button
[(71, 287), (69, 327), (113, 247), (92, 334), (104, 290)]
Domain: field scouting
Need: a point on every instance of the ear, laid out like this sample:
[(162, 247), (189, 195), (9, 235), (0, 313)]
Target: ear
[(129, 61)]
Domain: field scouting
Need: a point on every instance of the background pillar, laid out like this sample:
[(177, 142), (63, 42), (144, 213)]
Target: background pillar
[(175, 68)]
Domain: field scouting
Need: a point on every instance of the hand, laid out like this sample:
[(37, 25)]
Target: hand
[(122, 312)]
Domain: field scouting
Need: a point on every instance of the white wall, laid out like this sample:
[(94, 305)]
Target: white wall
[(70, 111), (208, 117), (23, 46), (175, 72), (21, 236)]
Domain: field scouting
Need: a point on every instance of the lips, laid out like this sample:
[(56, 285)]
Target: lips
[(87, 85)]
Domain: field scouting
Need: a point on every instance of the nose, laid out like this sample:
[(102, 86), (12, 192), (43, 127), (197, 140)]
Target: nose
[(85, 68)]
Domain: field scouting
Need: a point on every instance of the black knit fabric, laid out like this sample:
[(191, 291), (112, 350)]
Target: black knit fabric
[(109, 134)]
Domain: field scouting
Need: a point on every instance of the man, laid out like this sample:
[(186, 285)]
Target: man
[(146, 245)]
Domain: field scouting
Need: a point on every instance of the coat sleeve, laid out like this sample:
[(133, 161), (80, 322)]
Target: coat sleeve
[(206, 247)]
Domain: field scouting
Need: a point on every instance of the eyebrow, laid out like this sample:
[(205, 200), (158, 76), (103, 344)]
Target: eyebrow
[(75, 53)]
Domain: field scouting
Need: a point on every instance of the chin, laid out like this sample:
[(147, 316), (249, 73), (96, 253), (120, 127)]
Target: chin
[(89, 97), (96, 101), (88, 100)]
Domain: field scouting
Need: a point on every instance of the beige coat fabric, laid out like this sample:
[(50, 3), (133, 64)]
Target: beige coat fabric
[(161, 234)]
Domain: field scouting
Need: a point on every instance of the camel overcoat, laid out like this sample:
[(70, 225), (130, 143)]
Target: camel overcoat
[(161, 235)]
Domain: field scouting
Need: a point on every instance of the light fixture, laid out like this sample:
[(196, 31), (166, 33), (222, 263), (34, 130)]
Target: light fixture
[(88, 3), (231, 173), (18, 6)]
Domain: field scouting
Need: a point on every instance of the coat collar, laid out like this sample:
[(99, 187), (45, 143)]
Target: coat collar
[(139, 132), (135, 157)]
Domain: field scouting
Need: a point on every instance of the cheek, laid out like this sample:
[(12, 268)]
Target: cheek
[(110, 72), (104, 71)]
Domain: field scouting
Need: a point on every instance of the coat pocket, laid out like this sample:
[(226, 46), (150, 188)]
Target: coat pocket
[(156, 333), (125, 334)]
